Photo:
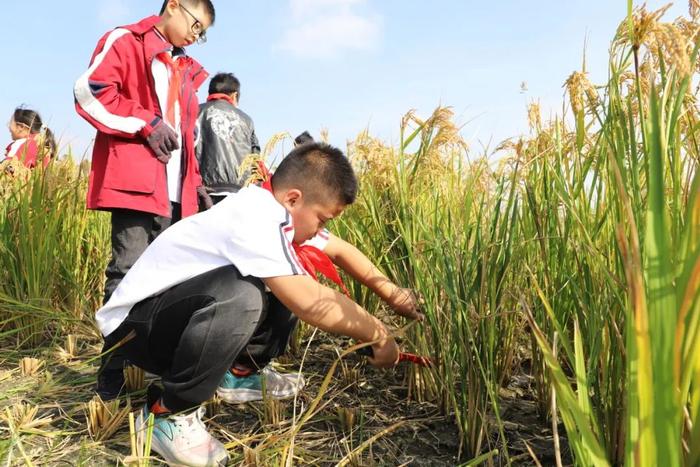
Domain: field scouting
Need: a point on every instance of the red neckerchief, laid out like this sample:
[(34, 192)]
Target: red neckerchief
[(219, 96), (177, 70), (311, 258)]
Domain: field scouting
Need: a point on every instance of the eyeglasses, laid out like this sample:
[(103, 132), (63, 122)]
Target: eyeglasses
[(196, 27)]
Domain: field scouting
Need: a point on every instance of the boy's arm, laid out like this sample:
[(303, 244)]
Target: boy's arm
[(354, 262), (98, 96), (333, 312)]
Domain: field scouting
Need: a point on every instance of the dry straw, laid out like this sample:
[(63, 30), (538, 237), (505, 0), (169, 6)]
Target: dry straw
[(140, 441), (29, 366), (273, 411), (23, 417), (69, 350), (105, 418), (134, 378), (347, 418)]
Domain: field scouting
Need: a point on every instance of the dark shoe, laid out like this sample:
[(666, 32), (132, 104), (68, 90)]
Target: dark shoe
[(110, 383)]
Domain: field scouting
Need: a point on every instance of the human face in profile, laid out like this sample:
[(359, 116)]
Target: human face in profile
[(310, 217)]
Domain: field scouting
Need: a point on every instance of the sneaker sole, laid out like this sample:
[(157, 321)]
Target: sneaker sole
[(238, 396), (167, 454)]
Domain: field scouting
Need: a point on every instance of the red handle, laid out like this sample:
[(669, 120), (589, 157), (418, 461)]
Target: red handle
[(403, 357)]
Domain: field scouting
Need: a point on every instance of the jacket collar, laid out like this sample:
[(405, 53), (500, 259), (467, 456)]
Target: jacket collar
[(220, 97), (154, 43)]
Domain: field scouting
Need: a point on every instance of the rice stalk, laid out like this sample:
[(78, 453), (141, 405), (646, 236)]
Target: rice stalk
[(105, 418), (29, 366), (134, 378)]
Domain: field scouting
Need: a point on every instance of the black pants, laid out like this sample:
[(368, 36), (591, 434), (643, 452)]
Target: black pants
[(192, 333), (132, 232)]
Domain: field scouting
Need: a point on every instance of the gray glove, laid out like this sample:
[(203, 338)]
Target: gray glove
[(162, 141), (205, 201)]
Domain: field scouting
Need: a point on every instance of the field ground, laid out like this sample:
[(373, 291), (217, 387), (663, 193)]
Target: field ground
[(407, 432)]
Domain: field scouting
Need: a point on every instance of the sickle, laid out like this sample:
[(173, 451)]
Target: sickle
[(403, 357)]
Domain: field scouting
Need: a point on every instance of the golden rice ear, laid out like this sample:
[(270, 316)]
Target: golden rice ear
[(694, 9), (671, 43), (578, 86), (250, 167), (29, 366), (534, 117), (272, 143), (323, 134)]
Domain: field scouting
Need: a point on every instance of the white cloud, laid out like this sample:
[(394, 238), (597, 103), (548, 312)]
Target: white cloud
[(324, 28), (112, 12)]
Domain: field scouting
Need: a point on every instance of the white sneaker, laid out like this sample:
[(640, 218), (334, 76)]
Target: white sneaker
[(183, 440), (237, 389)]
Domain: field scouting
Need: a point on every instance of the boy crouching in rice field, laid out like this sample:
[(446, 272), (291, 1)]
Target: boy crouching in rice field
[(197, 308)]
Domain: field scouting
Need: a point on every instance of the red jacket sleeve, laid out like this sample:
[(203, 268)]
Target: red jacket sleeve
[(25, 151), (99, 96)]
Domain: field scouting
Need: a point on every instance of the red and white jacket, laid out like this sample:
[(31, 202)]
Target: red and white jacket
[(117, 95), (25, 150)]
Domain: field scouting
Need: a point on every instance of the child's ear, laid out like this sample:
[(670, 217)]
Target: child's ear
[(171, 6), (292, 198)]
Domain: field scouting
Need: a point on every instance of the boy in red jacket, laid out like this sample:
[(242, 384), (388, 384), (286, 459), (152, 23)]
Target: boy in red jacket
[(140, 94)]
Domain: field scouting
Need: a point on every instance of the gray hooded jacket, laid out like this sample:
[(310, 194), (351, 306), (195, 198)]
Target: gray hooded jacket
[(226, 137)]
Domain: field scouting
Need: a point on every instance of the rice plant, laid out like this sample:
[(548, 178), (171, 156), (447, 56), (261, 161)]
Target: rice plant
[(50, 250), (622, 295), (426, 215), (572, 257)]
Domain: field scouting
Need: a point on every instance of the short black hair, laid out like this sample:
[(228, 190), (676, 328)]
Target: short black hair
[(224, 83), (304, 137), (320, 171), (207, 4)]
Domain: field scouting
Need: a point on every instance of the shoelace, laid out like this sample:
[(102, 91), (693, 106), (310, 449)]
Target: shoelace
[(191, 422)]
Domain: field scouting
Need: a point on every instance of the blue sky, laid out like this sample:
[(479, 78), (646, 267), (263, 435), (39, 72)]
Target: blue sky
[(344, 65)]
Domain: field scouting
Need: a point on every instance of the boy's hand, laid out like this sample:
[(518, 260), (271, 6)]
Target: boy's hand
[(204, 197), (405, 303), (386, 353), (162, 141)]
